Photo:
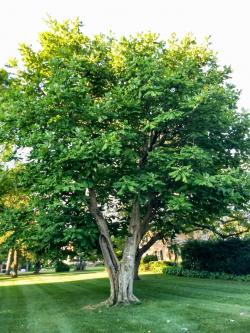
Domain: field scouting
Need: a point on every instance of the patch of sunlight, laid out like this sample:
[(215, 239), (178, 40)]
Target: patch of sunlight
[(50, 278)]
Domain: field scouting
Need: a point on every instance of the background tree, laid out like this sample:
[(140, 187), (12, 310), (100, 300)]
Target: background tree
[(11, 202), (147, 123)]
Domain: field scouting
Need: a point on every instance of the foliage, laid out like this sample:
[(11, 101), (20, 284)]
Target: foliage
[(180, 271), (152, 266), (60, 266), (228, 256), (171, 263), (109, 97), (23, 226), (149, 258)]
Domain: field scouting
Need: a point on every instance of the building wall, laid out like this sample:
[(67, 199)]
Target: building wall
[(163, 251)]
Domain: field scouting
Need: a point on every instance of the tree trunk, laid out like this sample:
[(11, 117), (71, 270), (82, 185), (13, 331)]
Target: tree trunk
[(37, 267), (15, 264), (80, 265), (137, 264), (27, 266), (8, 263), (121, 276)]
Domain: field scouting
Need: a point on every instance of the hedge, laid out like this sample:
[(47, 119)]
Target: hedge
[(230, 256), (180, 271), (148, 258)]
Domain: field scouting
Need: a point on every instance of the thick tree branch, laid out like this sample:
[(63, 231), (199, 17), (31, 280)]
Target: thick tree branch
[(148, 147), (150, 213), (96, 213), (220, 234), (105, 241), (148, 245), (156, 139)]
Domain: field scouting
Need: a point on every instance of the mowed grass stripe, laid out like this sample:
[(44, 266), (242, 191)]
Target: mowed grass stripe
[(170, 304), (12, 313), (214, 308), (44, 312), (219, 291)]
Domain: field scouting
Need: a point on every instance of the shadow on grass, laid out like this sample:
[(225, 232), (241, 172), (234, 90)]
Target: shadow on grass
[(169, 304)]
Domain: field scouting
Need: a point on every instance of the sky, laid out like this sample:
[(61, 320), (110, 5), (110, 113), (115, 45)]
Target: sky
[(227, 21)]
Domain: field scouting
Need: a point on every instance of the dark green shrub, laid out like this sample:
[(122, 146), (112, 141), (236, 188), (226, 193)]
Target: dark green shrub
[(149, 258), (61, 267), (171, 263), (179, 271), (230, 256), (176, 271)]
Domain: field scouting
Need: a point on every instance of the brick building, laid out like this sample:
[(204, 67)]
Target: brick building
[(170, 250)]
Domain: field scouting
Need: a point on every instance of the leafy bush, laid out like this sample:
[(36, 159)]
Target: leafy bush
[(61, 267), (153, 266), (180, 271), (157, 266), (144, 267), (231, 256), (148, 258)]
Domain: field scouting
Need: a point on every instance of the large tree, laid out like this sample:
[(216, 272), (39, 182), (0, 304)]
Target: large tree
[(136, 129)]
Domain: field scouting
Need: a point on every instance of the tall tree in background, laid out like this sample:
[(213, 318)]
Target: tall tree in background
[(15, 222), (147, 124)]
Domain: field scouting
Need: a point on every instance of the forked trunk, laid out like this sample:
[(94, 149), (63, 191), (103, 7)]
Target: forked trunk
[(121, 276), (8, 263), (123, 286)]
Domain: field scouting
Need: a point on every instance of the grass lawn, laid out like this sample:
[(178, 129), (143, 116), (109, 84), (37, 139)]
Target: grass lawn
[(53, 303)]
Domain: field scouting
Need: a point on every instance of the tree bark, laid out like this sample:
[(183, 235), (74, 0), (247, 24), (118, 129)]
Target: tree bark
[(8, 263), (121, 274), (15, 264), (127, 265), (137, 264), (27, 266)]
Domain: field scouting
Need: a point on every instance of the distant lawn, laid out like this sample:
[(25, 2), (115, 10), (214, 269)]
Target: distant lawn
[(59, 303)]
